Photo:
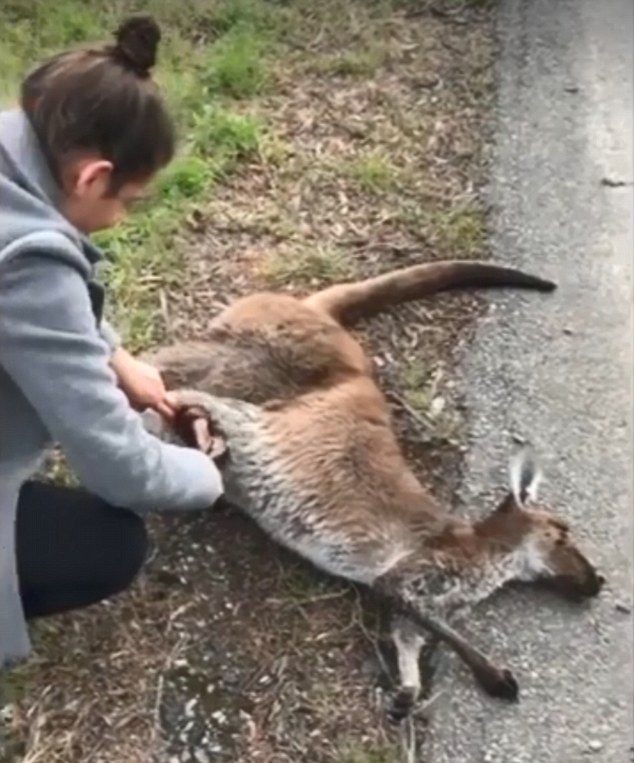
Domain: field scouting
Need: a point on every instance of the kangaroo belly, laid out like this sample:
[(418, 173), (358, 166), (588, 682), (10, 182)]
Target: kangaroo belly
[(294, 521), (310, 501)]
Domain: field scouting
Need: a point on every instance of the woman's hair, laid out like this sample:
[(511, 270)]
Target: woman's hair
[(103, 100)]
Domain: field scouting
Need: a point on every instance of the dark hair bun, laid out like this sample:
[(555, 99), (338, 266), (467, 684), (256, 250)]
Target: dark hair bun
[(137, 42)]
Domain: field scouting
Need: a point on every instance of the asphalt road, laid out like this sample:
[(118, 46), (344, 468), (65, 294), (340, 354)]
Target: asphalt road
[(557, 370)]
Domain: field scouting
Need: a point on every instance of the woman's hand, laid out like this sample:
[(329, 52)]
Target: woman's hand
[(141, 383)]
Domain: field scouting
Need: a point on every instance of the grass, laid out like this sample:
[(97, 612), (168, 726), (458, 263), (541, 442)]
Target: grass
[(459, 231), (310, 267), (415, 377), (374, 173), (463, 230), (236, 66)]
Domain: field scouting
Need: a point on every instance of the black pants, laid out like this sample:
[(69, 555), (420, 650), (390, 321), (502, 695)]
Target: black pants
[(73, 549)]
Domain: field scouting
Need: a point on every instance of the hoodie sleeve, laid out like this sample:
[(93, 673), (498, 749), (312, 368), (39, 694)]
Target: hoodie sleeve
[(51, 347)]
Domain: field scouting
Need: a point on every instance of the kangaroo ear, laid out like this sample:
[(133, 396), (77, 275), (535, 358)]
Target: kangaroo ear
[(192, 425), (525, 476)]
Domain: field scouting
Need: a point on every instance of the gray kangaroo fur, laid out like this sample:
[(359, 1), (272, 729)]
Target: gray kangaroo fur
[(313, 459)]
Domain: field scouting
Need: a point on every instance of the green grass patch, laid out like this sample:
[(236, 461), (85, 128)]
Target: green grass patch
[(463, 231), (310, 267), (224, 137), (460, 232), (236, 66), (374, 173), (267, 17), (417, 388)]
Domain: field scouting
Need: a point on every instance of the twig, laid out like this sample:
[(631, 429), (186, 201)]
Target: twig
[(427, 705), (418, 417), (310, 599)]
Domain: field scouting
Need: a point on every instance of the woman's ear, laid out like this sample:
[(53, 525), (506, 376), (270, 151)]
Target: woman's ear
[(88, 178)]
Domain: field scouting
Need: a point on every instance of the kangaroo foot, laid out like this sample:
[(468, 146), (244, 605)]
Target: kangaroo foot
[(497, 682), (402, 704)]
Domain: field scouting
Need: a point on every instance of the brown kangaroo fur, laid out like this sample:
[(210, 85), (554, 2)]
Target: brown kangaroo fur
[(313, 459)]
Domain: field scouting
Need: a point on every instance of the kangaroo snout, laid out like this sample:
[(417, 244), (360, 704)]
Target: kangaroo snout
[(581, 586)]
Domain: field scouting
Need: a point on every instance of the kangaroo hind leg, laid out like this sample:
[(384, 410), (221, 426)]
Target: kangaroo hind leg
[(496, 681)]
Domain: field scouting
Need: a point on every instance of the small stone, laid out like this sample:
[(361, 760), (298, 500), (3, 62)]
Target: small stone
[(189, 708), (595, 745), (567, 330), (623, 608), (201, 756), (437, 406)]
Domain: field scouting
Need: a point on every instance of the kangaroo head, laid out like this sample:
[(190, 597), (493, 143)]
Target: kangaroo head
[(541, 544)]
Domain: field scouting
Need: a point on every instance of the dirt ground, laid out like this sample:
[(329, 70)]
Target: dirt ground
[(228, 648)]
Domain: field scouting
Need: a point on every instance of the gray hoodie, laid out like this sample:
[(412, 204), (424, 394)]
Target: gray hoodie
[(56, 384)]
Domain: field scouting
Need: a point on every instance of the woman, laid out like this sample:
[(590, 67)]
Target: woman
[(90, 134)]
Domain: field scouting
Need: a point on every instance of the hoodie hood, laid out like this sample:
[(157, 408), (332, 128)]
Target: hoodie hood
[(30, 198)]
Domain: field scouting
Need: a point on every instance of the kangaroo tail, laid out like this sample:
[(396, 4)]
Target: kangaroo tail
[(347, 303)]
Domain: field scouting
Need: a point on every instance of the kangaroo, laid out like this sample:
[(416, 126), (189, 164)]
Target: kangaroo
[(312, 458)]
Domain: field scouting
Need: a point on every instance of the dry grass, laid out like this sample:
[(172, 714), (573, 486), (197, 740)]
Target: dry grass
[(352, 147)]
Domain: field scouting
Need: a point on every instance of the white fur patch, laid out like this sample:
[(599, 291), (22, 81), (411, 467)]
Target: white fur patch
[(530, 561)]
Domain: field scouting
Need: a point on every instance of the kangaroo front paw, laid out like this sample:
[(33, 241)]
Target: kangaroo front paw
[(500, 683), (402, 704)]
